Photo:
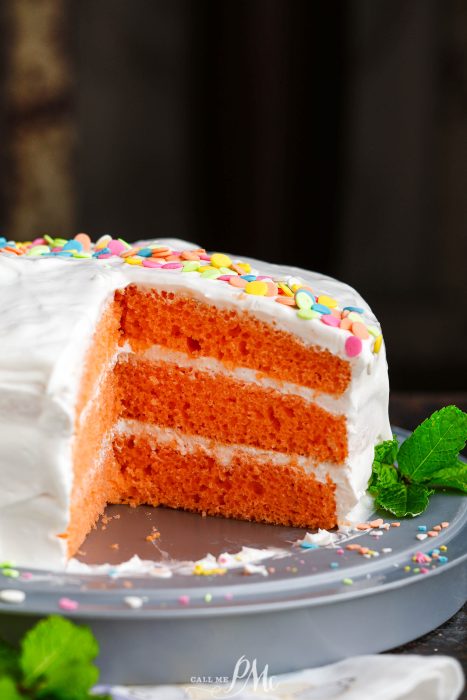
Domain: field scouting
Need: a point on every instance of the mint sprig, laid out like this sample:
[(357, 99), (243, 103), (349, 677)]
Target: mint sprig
[(427, 460), (54, 662)]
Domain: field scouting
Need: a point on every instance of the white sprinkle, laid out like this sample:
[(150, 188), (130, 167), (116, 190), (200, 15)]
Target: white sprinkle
[(10, 595), (134, 601), (421, 536), (376, 533), (386, 550)]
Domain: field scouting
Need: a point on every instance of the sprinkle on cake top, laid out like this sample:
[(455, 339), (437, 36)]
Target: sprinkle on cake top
[(214, 267)]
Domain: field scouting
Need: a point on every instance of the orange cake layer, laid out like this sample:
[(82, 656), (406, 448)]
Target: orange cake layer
[(248, 489), (228, 410), (180, 323)]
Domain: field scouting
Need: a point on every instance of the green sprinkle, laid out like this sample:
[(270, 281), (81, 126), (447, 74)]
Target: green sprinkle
[(211, 274), (7, 565), (207, 598), (190, 266), (10, 573), (307, 314), (347, 581)]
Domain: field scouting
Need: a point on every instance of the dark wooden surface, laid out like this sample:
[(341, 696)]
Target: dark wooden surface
[(407, 410)]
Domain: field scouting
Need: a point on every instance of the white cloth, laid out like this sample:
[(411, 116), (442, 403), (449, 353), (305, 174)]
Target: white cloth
[(378, 677)]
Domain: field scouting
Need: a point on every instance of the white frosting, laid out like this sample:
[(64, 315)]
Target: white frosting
[(50, 308)]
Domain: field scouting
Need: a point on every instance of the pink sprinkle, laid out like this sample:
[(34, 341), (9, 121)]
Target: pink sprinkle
[(353, 346), (38, 241), (26, 576), (56, 250), (116, 247), (339, 551), (263, 277), (203, 256), (147, 262), (228, 596), (330, 320), (172, 266), (225, 278), (184, 600), (423, 570), (103, 256), (68, 604)]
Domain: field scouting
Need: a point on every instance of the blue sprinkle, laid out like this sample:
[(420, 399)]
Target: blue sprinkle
[(434, 551), (322, 309), (145, 252), (73, 245), (334, 565), (443, 560), (248, 278), (3, 242), (64, 253), (308, 545), (422, 528), (357, 309)]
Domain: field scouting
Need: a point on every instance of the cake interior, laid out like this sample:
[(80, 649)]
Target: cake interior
[(189, 406)]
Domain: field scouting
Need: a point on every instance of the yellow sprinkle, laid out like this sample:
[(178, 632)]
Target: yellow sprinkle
[(374, 331), (220, 260), (287, 291), (200, 570), (132, 260), (244, 266), (327, 301), (258, 288), (443, 548), (296, 287), (102, 242), (378, 343), (207, 268)]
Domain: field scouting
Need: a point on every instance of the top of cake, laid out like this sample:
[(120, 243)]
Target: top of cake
[(66, 278)]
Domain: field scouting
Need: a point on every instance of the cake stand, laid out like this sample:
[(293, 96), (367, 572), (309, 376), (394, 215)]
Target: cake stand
[(314, 607)]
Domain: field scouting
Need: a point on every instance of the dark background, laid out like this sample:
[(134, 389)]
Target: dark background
[(332, 135)]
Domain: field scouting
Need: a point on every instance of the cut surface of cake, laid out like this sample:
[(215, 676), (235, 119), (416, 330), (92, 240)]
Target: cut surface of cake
[(156, 373)]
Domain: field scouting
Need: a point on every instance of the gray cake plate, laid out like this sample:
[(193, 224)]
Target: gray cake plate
[(302, 614)]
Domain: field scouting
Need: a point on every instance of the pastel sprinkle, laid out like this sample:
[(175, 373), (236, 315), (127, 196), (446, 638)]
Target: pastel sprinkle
[(309, 545), (238, 282), (256, 288), (330, 320), (421, 536), (347, 581), (172, 266), (444, 524), (359, 330), (357, 309), (10, 573), (73, 245), (220, 260), (286, 301), (422, 528), (151, 263), (307, 314), (12, 596), (133, 260), (68, 604), (284, 288), (334, 565), (208, 598), (327, 301), (443, 548), (144, 252), (353, 346), (209, 274), (304, 299), (321, 308), (377, 345), (340, 551), (134, 601), (184, 600)]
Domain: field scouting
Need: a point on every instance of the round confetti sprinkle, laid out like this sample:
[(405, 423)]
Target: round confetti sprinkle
[(353, 346), (12, 596), (330, 320), (377, 345), (322, 309), (172, 266), (359, 329), (133, 260), (285, 289), (256, 288), (207, 598), (68, 604), (286, 301), (151, 263), (345, 324), (238, 282), (134, 601), (304, 299), (307, 314), (220, 260), (327, 301), (184, 600), (347, 581)]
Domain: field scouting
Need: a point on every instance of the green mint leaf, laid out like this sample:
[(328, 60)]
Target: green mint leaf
[(71, 682), (434, 445), (9, 661), (454, 477), (404, 499), (8, 690), (385, 476), (53, 648), (386, 452)]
